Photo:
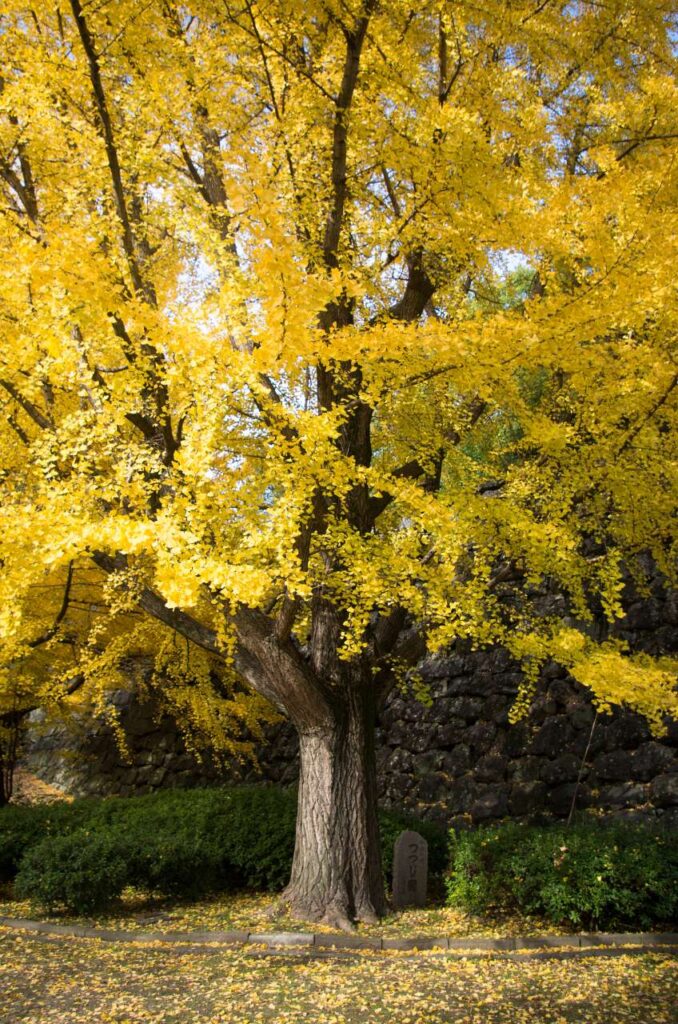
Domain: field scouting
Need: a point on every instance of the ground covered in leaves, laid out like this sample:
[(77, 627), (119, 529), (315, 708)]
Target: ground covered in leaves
[(258, 912), (75, 981)]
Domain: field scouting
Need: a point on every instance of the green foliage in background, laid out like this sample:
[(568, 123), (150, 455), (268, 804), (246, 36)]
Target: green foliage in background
[(181, 843), (590, 874)]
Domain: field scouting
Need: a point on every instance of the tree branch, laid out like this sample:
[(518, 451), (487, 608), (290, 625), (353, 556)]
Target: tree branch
[(106, 130), (29, 408), (272, 667), (418, 292), (52, 631), (354, 44), (662, 400)]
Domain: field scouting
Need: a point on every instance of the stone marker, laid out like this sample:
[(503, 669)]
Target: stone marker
[(410, 870)]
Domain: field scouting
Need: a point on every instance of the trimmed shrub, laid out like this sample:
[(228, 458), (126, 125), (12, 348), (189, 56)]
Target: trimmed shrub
[(82, 871), (590, 874), (255, 829), (22, 826)]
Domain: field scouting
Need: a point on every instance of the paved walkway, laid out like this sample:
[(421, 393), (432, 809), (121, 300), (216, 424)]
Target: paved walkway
[(585, 944)]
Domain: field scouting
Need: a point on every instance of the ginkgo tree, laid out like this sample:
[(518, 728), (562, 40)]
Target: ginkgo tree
[(331, 332)]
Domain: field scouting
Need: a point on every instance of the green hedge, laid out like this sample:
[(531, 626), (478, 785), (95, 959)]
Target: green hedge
[(82, 871), (590, 874), (174, 842), (22, 826)]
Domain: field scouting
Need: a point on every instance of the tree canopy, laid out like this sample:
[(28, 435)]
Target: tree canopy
[(323, 323)]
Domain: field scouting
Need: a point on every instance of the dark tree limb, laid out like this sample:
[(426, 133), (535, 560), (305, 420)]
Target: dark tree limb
[(418, 292), (29, 407), (335, 218), (52, 631), (652, 411), (273, 667), (106, 129)]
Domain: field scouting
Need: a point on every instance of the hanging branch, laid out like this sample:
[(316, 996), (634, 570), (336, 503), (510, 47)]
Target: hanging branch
[(581, 770)]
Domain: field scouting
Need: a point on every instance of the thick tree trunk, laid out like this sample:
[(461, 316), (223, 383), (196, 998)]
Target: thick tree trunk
[(336, 871)]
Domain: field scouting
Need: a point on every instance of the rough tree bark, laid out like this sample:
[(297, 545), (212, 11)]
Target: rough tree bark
[(336, 872)]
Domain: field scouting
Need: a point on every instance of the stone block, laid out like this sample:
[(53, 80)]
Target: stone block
[(398, 785), (490, 802), (560, 691), (410, 870), (427, 763), (660, 641), (510, 683), (547, 941), (542, 708), (562, 769), (580, 714), (517, 740), (664, 790), (491, 768), (418, 737), (644, 615), (458, 760), (552, 671), (281, 938), (432, 787), (622, 794), (183, 763), (552, 737), (481, 736), (613, 767), (467, 708), (441, 667), (451, 732), (527, 769), (332, 940), (462, 685), (398, 734), (651, 759), (460, 795), (484, 683), (421, 942), (624, 732), (470, 942), (158, 776), (527, 798), (559, 799), (613, 939), (496, 709), (400, 760)]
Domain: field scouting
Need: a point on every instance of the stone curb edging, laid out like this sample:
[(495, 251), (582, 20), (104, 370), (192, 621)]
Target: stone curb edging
[(329, 940)]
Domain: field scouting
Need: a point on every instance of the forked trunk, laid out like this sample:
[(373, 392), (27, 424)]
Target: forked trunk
[(336, 871)]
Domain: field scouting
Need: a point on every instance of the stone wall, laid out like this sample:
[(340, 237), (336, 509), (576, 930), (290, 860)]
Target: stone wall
[(457, 759), (85, 758), (460, 760)]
